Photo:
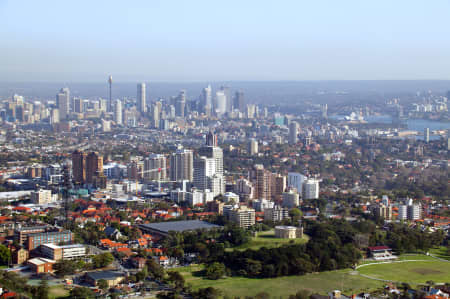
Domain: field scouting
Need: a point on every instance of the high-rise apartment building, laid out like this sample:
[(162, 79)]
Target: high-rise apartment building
[(206, 100), (244, 216), (252, 147), (426, 135), (216, 153), (203, 169), (78, 167), (182, 165), (311, 189), (296, 180), (141, 98), (63, 103), (263, 183), (94, 167), (155, 167)]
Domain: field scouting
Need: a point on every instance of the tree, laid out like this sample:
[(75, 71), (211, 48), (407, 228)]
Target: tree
[(82, 293), (5, 255), (215, 270), (295, 214), (177, 279), (102, 284), (42, 290), (65, 267), (102, 260), (207, 293)]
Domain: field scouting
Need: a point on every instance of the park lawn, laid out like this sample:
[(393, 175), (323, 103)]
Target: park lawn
[(322, 283), (58, 291), (440, 252), (410, 272), (267, 239)]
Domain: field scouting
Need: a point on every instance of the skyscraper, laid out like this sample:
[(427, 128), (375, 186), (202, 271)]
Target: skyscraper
[(293, 130), (311, 189), (110, 103), (228, 102), (78, 167), (263, 183), (182, 165), (221, 103), (239, 101), (141, 98), (252, 147), (63, 103), (180, 103), (206, 100), (118, 112), (426, 135), (211, 139)]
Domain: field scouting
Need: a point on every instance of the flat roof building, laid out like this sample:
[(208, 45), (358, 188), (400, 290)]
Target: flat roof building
[(163, 228)]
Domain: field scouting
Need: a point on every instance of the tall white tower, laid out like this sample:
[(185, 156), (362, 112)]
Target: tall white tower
[(141, 98)]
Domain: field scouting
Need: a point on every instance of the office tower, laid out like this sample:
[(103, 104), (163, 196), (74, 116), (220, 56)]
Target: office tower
[(63, 102), (426, 135), (211, 139), (239, 101), (216, 184), (156, 112), (155, 167), (203, 168), (94, 167), (250, 111), (180, 104), (141, 98), (78, 105), (296, 180), (18, 100), (110, 103), (20, 113), (293, 130), (206, 100), (311, 189), (103, 105), (221, 103), (78, 167), (228, 102), (182, 165), (118, 112), (252, 147), (263, 183), (106, 125)]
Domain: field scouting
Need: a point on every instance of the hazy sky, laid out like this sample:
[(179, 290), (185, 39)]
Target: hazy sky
[(189, 40)]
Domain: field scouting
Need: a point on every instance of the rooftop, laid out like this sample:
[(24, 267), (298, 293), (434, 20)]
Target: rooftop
[(179, 226), (104, 275)]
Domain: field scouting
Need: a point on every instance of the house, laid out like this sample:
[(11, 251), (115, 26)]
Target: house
[(111, 277), (112, 233), (138, 262), (162, 260)]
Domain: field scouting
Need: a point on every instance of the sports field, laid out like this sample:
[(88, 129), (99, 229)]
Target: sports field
[(421, 270), (322, 283), (267, 239)]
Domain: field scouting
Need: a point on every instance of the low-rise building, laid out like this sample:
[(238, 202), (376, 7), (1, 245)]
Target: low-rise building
[(288, 232), (276, 214), (243, 216), (112, 278), (41, 265), (65, 252)]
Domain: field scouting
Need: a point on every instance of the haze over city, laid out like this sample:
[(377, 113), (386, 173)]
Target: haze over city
[(85, 41)]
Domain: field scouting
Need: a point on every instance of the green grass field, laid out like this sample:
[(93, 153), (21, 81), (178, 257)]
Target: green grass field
[(58, 291), (282, 286), (441, 252), (414, 272), (267, 239)]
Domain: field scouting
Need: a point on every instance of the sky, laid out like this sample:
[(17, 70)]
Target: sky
[(190, 40)]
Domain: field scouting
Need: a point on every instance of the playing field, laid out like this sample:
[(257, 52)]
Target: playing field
[(412, 272), (267, 239), (321, 283), (58, 291)]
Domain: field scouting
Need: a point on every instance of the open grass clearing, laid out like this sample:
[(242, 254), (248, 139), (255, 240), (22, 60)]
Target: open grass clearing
[(267, 239), (322, 283), (414, 272)]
